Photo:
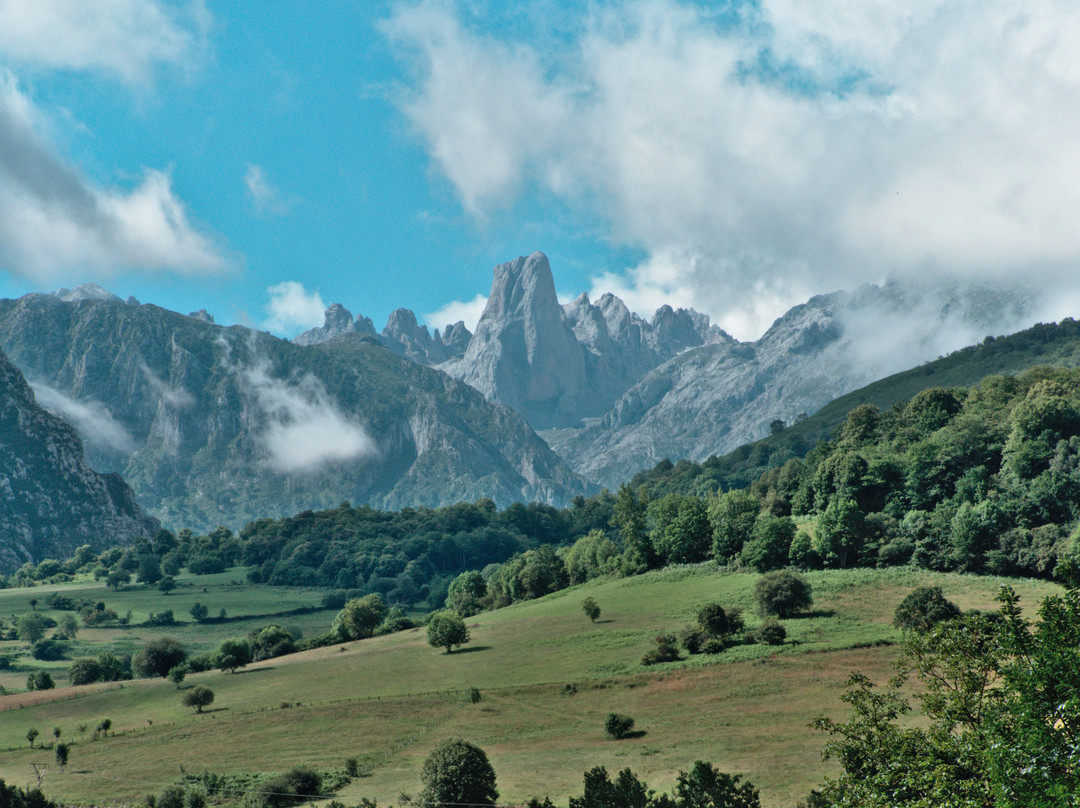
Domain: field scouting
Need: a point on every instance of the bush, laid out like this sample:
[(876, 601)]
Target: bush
[(923, 609), (714, 645), (198, 697), (446, 629), (39, 680), (591, 608), (48, 650), (667, 650), (618, 726), (719, 622), (771, 633), (84, 671), (782, 593), (158, 657), (457, 771), (692, 638)]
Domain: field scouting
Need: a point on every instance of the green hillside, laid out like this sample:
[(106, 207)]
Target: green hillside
[(547, 676), (1051, 345)]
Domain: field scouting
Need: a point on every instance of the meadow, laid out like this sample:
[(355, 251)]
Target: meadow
[(547, 677)]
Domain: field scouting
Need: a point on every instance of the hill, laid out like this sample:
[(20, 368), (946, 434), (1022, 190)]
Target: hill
[(51, 501), (1048, 344), (214, 425), (547, 678)]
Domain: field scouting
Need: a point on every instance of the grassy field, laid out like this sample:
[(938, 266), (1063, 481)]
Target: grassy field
[(387, 700)]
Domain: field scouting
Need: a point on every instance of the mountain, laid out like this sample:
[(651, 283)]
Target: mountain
[(556, 365), (213, 425), (403, 335), (711, 399), (51, 501)]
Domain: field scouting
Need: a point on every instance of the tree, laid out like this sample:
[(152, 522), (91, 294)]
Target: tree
[(466, 593), (704, 786), (628, 517), (149, 569), (31, 735), (104, 725), (118, 578), (924, 608), (178, 674), (732, 516), (158, 657), (198, 612), (233, 654), (720, 622), (360, 617), (683, 534), (39, 680), (61, 752), (446, 629), (770, 543), (840, 532), (592, 555), (626, 791), (666, 650), (31, 627), (782, 593), (67, 626), (167, 584), (618, 726), (198, 697), (271, 641), (457, 771), (591, 608), (84, 671)]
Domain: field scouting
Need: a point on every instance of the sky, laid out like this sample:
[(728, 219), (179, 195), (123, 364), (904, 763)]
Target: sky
[(262, 161)]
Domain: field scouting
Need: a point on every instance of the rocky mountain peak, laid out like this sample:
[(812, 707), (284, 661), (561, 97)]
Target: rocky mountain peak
[(455, 339), (404, 335), (337, 318), (86, 291)]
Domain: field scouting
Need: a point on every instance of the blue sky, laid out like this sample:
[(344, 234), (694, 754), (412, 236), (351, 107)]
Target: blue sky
[(736, 157)]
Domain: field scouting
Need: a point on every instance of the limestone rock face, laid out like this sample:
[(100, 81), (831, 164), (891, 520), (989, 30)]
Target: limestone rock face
[(51, 501), (213, 425), (337, 320), (403, 335), (455, 339)]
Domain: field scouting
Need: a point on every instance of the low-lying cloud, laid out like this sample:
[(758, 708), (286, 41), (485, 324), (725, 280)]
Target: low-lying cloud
[(466, 311), (292, 308), (305, 430), (772, 150), (176, 397), (91, 419)]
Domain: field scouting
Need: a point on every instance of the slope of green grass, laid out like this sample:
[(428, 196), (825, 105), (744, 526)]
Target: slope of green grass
[(387, 700)]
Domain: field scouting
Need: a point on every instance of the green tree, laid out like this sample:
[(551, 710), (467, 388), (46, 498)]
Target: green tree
[(618, 726), (233, 654), (839, 532), (465, 595), (167, 584), (39, 680), (149, 569), (158, 657), (178, 674), (732, 516), (923, 609), (84, 671), (625, 791), (770, 543), (198, 697), (446, 629), (591, 608), (704, 786), (592, 555), (31, 735), (61, 753), (270, 642), (682, 534), (360, 617), (118, 578), (628, 516), (457, 772), (198, 612), (716, 621), (32, 627), (67, 625), (782, 593)]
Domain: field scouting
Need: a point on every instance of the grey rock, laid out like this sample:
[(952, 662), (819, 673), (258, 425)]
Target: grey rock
[(202, 314), (86, 291), (455, 339), (405, 336), (51, 501)]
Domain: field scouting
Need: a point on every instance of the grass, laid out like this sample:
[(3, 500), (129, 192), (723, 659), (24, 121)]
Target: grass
[(387, 700)]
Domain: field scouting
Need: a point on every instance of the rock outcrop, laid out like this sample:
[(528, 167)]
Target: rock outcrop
[(213, 425), (51, 501)]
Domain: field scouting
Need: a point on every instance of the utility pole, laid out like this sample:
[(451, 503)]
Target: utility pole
[(39, 770)]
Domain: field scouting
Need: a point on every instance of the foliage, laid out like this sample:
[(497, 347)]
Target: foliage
[(999, 696), (618, 726), (771, 632), (178, 674), (591, 608), (31, 627), (270, 642), (198, 612), (446, 629), (233, 654), (360, 617), (39, 680), (61, 752), (198, 697), (15, 797), (457, 771), (782, 593), (733, 515), (923, 609), (716, 621), (770, 543), (704, 786), (49, 650), (158, 657), (465, 595), (591, 556), (666, 650)]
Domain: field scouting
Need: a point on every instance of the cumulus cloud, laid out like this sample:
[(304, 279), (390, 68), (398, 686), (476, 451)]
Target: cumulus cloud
[(125, 39), (91, 419), (305, 430), (54, 222), (759, 154), (467, 311), (292, 308), (264, 195)]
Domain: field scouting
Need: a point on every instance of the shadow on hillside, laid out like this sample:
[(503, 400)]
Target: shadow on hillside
[(255, 670), (209, 710), (637, 733), (470, 649), (815, 613), (598, 622)]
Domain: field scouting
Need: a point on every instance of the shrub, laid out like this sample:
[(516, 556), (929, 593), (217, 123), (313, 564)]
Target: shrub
[(923, 609), (84, 671), (591, 608), (782, 593), (667, 650), (457, 771), (198, 697), (714, 645), (158, 657), (446, 629), (771, 632), (472, 695), (692, 638), (719, 622), (48, 650), (618, 726), (39, 680)]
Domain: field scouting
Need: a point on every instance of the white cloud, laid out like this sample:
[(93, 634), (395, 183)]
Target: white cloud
[(292, 308), (125, 39), (802, 149), (55, 223), (91, 419), (467, 311), (265, 197), (305, 430), (176, 397)]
